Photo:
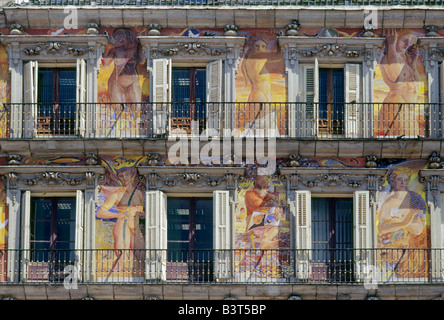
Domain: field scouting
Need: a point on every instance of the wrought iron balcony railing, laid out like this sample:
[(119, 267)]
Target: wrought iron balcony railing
[(338, 266), (163, 120), (237, 3)]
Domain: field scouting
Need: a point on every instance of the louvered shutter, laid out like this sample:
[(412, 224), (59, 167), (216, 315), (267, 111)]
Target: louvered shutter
[(222, 234), (306, 114), (161, 76), (214, 109), (362, 245), (155, 235), (81, 97), (30, 86), (303, 233), (79, 232), (353, 111), (26, 233)]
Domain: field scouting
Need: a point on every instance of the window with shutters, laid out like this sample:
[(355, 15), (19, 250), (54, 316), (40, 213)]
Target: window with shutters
[(330, 96), (52, 232), (54, 98), (183, 94)]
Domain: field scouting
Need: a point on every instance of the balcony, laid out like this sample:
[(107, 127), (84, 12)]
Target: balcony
[(312, 121), (238, 266), (237, 3)]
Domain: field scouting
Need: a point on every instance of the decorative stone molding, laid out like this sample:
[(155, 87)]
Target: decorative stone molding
[(92, 28), (431, 31), (184, 178), (59, 47), (14, 160), (434, 161), (371, 161), (16, 29), (292, 29), (154, 29), (92, 159), (196, 48), (339, 179), (52, 177), (303, 48), (230, 30), (293, 160)]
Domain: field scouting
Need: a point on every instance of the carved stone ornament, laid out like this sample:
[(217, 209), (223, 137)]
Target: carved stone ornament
[(293, 160), (431, 31), (230, 30), (93, 28), (154, 29), (292, 29), (371, 161), (14, 160), (15, 29), (55, 48), (434, 161), (193, 48)]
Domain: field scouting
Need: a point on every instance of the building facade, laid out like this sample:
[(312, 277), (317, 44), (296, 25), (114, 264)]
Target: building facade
[(222, 149)]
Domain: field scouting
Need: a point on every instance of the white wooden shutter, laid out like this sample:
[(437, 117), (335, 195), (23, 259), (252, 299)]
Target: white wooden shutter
[(362, 245), (307, 107), (79, 232), (156, 235), (353, 111), (214, 95), (30, 86), (26, 233), (222, 234), (81, 97), (161, 76), (303, 233)]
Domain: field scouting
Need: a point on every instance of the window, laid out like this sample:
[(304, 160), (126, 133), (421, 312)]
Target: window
[(190, 237), (52, 236), (181, 95), (330, 99), (332, 238), (188, 97), (54, 98)]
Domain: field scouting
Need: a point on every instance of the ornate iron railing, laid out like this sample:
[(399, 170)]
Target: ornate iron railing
[(336, 266), (279, 119)]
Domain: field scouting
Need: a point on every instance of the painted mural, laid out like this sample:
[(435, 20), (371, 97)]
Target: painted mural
[(403, 221), (119, 230), (5, 92), (122, 85), (261, 77), (261, 222), (400, 85)]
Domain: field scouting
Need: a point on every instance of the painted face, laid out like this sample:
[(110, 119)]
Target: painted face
[(403, 43), (260, 46), (261, 182), (120, 38), (400, 182), (125, 177)]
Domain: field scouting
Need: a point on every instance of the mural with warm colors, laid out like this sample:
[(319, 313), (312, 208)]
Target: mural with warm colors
[(120, 219), (261, 77), (261, 222), (403, 221), (123, 81), (400, 85)]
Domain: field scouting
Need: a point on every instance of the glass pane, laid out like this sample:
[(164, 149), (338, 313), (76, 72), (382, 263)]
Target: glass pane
[(201, 93), (178, 216), (67, 93), (204, 223), (320, 229)]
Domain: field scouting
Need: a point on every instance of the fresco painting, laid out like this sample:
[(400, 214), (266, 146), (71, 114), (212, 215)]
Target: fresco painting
[(123, 85), (120, 217), (5, 92), (400, 85), (403, 221), (261, 84), (261, 222)]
